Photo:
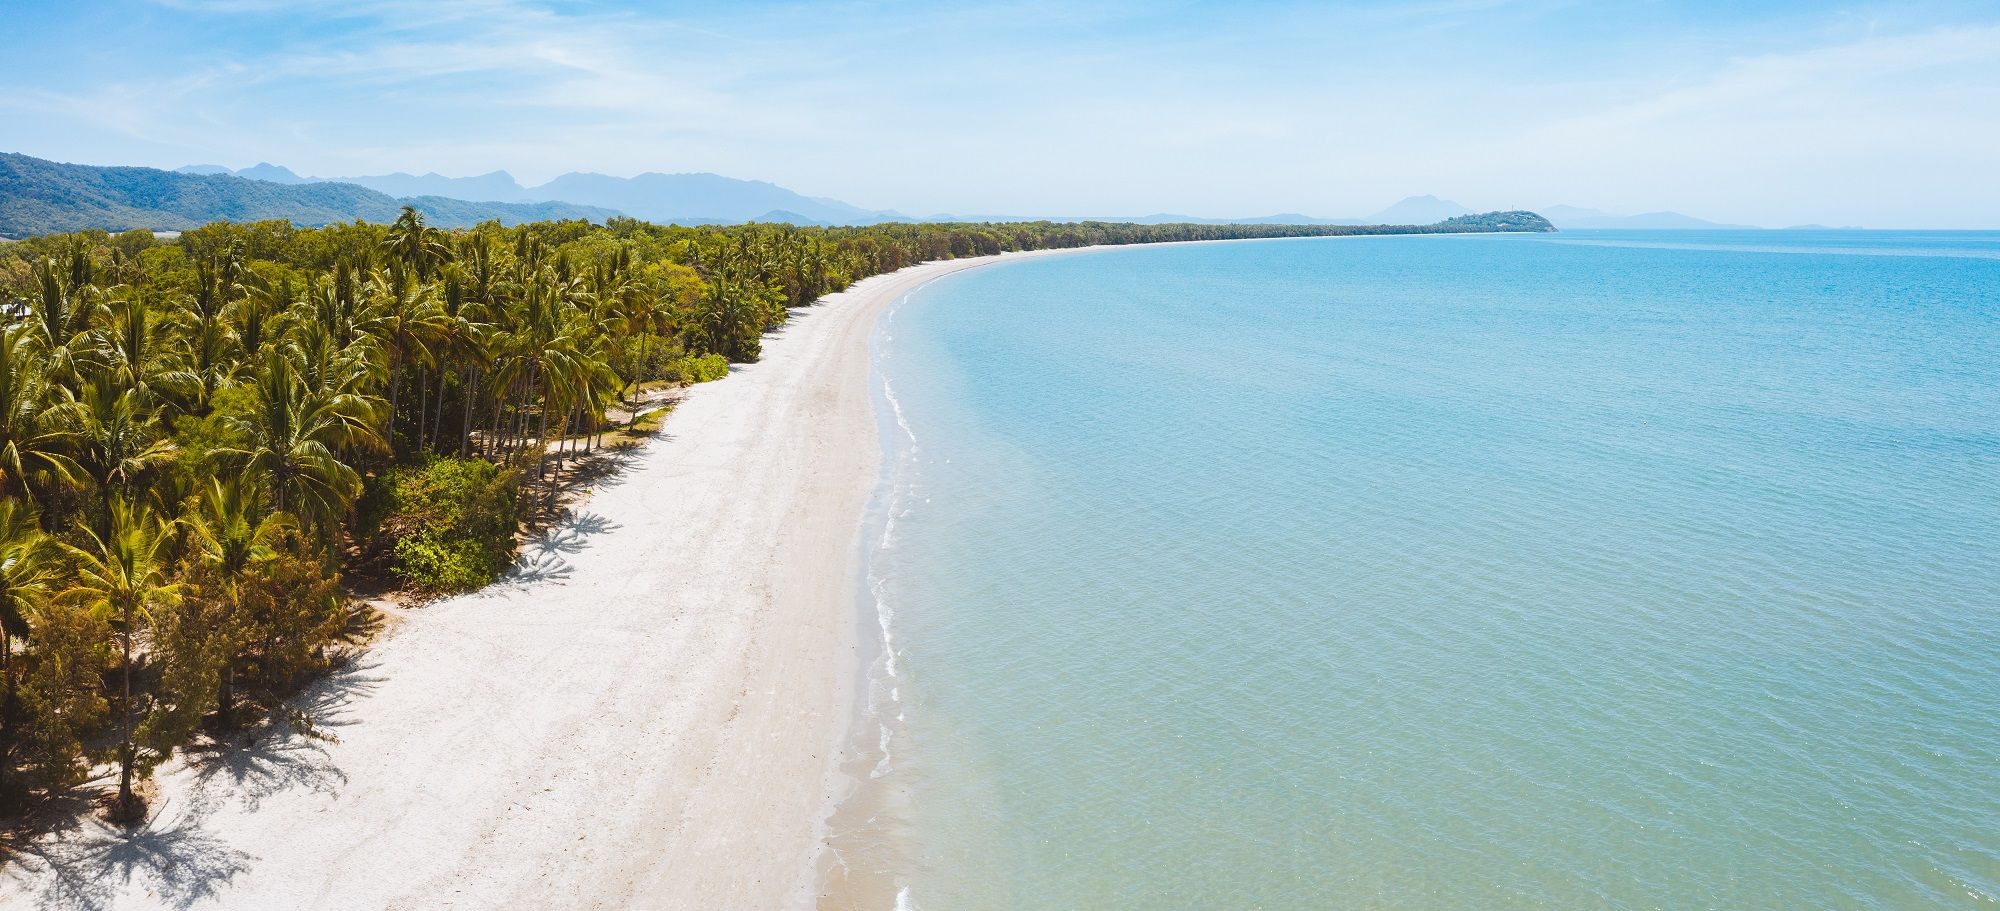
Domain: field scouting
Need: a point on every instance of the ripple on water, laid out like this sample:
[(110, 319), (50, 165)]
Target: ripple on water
[(1495, 572)]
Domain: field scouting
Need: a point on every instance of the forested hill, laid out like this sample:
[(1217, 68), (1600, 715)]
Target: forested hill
[(1516, 220), (44, 197)]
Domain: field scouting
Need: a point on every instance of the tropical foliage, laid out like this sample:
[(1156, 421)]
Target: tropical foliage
[(451, 522)]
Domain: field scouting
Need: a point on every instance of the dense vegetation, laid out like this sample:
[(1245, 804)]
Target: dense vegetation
[(1496, 221), (199, 438), (39, 197)]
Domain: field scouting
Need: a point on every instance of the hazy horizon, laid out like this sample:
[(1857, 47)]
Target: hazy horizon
[(1787, 114)]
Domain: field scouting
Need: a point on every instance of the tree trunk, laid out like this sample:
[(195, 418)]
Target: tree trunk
[(395, 387), (510, 435), (225, 700), (437, 415), (465, 435), (6, 712), (129, 752), (528, 390), (494, 436), (542, 466), (423, 404)]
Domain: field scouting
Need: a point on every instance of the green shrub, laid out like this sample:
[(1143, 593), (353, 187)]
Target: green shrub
[(435, 563), (452, 522), (198, 438), (696, 369)]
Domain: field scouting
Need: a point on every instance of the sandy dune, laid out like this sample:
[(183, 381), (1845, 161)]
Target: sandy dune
[(646, 716)]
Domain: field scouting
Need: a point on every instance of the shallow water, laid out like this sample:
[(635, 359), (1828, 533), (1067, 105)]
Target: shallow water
[(1590, 570)]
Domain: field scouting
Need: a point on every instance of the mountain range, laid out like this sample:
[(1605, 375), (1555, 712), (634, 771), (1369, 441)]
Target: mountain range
[(665, 198), (703, 198), (38, 196), (41, 197), (1571, 218)]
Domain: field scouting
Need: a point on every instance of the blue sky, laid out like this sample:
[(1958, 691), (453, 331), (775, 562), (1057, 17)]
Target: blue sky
[(1767, 113)]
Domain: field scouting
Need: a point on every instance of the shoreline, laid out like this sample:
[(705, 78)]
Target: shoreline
[(862, 831), (864, 847), (850, 828), (663, 691)]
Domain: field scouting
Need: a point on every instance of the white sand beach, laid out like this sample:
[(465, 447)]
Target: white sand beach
[(647, 715)]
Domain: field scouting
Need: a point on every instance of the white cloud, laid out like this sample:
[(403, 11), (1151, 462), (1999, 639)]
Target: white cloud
[(1052, 107), (1881, 129)]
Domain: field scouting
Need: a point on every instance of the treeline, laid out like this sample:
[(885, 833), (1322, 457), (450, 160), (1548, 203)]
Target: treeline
[(199, 437)]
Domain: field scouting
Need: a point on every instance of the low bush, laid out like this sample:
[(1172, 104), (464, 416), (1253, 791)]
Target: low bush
[(696, 369), (452, 522), (437, 563)]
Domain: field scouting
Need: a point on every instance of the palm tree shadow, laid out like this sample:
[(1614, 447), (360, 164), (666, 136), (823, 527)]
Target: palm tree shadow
[(607, 466), (85, 864), (530, 570), (572, 532), (290, 753), (89, 865), (541, 560), (575, 476)]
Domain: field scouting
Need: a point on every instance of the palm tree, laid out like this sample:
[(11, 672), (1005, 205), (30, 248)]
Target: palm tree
[(419, 247), (132, 350), (729, 322), (122, 576), (202, 363), (251, 319), (233, 529), (116, 438), (407, 321), (591, 382), (458, 350), (30, 442), (60, 320), (335, 304), (625, 312), (293, 437), (27, 568), (344, 374)]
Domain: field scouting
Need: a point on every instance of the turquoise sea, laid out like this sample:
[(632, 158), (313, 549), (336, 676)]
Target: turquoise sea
[(1618, 570)]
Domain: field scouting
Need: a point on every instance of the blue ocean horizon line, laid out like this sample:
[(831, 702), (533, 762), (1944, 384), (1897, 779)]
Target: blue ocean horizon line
[(1970, 244)]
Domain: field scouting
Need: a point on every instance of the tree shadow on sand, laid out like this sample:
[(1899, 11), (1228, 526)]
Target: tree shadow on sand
[(566, 478), (541, 558), (607, 466), (289, 753), (85, 864), (89, 864)]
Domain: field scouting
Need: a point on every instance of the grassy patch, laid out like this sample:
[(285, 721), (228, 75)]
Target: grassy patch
[(648, 423), (701, 369)]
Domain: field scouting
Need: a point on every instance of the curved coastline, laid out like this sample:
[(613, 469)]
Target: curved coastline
[(651, 711), (658, 708)]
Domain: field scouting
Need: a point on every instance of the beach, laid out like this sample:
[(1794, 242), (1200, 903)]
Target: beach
[(647, 713)]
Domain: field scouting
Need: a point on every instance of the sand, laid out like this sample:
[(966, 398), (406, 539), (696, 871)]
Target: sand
[(647, 714)]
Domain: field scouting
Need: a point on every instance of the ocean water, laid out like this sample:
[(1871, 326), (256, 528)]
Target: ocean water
[(1591, 570)]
